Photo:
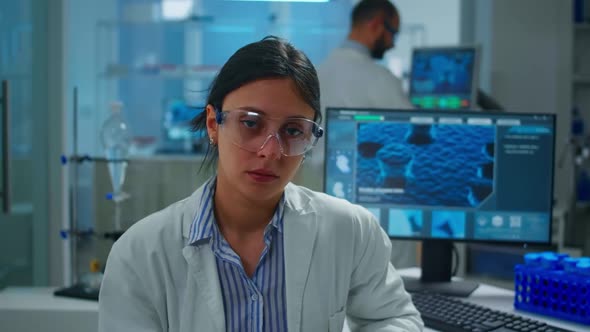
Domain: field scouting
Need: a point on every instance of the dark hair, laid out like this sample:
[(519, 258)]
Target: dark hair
[(270, 57), (365, 10)]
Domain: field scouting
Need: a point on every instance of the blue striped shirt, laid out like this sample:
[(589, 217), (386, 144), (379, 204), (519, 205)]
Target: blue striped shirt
[(251, 304)]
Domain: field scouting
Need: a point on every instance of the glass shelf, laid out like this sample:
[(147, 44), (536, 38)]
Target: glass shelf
[(160, 71)]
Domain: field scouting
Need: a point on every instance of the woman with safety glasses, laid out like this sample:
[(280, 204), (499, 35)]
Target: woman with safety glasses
[(249, 251)]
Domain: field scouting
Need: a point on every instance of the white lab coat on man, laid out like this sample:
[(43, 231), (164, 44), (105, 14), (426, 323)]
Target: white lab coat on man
[(349, 77), (336, 265)]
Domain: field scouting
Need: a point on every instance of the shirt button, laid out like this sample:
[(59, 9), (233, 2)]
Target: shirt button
[(254, 297)]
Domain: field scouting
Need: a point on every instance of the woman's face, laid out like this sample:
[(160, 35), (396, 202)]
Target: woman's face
[(260, 175)]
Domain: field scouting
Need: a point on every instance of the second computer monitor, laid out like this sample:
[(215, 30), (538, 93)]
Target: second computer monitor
[(444, 77), (441, 176)]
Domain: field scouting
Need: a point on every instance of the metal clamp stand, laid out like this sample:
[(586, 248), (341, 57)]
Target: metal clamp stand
[(72, 233)]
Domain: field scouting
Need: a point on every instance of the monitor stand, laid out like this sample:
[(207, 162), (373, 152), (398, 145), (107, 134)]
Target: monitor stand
[(437, 260)]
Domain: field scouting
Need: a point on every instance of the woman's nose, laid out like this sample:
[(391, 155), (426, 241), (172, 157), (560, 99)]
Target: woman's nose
[(271, 148)]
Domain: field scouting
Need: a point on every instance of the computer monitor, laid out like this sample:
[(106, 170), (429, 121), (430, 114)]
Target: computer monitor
[(177, 136), (444, 77), (443, 176)]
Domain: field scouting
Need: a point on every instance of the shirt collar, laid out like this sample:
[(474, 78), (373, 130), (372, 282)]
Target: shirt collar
[(277, 218), (353, 44), (204, 222)]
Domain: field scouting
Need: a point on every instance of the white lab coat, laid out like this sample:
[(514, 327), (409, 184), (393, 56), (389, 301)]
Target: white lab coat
[(336, 265)]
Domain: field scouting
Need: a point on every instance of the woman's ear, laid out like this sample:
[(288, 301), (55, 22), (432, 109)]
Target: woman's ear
[(212, 126)]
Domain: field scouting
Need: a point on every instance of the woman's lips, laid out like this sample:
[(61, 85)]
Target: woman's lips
[(262, 175)]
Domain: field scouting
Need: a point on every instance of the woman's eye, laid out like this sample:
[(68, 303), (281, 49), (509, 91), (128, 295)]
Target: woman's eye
[(249, 123), (293, 131)]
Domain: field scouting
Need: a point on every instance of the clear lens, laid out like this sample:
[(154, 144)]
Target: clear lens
[(251, 130)]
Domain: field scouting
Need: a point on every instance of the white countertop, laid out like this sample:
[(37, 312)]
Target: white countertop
[(35, 309), (42, 298)]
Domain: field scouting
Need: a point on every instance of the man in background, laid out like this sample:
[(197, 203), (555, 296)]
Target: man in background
[(350, 76)]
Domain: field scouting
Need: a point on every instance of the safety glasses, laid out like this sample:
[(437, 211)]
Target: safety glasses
[(251, 131), (394, 32)]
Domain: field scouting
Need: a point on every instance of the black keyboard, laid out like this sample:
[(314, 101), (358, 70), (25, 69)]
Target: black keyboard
[(79, 292), (448, 314)]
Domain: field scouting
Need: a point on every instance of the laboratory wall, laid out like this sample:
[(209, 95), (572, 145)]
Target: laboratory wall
[(31, 63)]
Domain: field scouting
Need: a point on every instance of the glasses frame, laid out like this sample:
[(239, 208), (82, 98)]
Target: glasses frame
[(391, 29), (317, 132)]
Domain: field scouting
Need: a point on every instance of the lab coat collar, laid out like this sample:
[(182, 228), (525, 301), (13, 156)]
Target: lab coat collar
[(299, 238), (203, 270), (300, 233)]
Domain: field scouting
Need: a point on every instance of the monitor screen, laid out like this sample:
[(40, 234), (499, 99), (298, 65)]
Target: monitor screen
[(442, 176), (176, 124), (444, 78), (177, 135)]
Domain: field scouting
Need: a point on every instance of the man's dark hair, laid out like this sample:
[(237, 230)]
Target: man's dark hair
[(366, 10), (268, 58)]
